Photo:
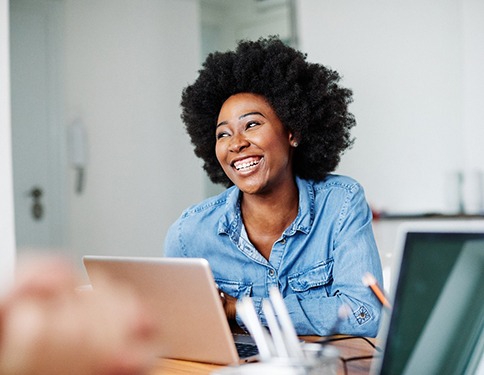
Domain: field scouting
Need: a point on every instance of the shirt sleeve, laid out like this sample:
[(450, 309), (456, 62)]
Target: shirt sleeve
[(173, 247), (348, 306)]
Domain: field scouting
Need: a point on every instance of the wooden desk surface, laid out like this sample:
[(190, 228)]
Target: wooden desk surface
[(349, 347)]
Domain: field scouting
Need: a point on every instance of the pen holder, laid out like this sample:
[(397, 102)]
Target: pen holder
[(318, 359)]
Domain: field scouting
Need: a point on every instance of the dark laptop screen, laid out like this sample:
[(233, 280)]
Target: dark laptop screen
[(438, 311)]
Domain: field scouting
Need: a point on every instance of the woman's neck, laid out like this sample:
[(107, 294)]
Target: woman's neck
[(267, 216)]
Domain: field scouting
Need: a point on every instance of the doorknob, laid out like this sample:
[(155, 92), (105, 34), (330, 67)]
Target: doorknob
[(37, 208)]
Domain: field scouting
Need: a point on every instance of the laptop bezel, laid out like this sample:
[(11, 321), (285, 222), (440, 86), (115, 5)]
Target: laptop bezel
[(405, 228)]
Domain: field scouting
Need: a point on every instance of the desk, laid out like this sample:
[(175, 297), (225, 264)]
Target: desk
[(348, 347)]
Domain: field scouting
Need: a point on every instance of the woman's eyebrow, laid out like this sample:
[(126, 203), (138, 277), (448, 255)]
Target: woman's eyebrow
[(250, 114), (241, 117)]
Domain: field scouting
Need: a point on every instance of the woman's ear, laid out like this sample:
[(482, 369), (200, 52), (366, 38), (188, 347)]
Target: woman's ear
[(292, 140)]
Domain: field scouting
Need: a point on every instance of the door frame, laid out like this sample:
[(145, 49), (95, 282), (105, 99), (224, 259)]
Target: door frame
[(56, 199)]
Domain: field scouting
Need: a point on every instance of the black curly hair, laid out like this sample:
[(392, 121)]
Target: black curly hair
[(305, 96)]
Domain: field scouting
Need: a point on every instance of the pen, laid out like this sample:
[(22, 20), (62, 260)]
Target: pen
[(246, 310), (288, 330), (279, 344), (370, 281)]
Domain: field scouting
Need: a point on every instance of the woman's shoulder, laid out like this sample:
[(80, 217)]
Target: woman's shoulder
[(196, 223), (340, 194), (337, 181), (208, 205)]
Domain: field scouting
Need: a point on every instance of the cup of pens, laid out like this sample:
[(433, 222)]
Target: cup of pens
[(322, 360), (280, 350)]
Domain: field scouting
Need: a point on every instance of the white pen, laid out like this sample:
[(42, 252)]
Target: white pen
[(288, 329), (277, 337), (246, 310)]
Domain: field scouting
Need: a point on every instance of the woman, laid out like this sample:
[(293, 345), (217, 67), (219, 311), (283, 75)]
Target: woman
[(271, 127)]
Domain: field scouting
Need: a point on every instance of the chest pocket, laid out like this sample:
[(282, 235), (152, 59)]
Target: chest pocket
[(236, 289), (318, 276)]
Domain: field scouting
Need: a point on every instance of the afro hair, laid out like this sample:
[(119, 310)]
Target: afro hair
[(305, 96)]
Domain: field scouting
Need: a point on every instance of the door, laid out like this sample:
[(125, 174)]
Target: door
[(37, 139)]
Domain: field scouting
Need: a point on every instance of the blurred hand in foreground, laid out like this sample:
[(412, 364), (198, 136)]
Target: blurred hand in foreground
[(49, 327)]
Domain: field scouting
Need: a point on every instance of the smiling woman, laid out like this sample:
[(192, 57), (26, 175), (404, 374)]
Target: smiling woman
[(271, 127), (249, 120), (255, 152)]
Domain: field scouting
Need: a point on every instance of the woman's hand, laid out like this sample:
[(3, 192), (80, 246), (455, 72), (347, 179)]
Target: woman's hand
[(229, 304), (47, 327)]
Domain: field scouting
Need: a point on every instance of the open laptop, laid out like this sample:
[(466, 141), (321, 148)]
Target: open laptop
[(437, 322), (183, 296)]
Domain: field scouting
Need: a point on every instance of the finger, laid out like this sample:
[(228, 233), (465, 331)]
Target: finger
[(43, 276)]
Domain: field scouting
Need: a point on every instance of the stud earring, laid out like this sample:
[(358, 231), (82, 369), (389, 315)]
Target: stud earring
[(295, 144)]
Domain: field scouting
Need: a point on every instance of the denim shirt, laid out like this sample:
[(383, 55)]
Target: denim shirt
[(318, 262)]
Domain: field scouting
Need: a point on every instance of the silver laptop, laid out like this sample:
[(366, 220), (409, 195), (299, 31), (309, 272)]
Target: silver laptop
[(437, 322), (182, 293)]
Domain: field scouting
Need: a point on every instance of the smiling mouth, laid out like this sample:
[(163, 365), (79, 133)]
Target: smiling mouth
[(246, 164)]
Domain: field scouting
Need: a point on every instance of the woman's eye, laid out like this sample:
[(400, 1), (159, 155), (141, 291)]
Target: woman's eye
[(252, 124), (221, 135)]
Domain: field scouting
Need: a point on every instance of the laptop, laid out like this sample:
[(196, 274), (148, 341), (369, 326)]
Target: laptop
[(437, 322), (183, 296)]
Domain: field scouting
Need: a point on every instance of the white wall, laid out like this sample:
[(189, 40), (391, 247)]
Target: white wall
[(126, 63), (473, 97), (416, 71), (414, 66), (7, 232), (224, 22)]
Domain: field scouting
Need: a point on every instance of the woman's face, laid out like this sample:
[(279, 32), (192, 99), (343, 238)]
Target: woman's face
[(253, 147)]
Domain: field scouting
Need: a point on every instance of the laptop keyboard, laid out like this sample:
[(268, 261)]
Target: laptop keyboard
[(246, 350)]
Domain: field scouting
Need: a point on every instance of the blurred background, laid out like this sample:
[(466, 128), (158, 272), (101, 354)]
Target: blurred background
[(101, 162)]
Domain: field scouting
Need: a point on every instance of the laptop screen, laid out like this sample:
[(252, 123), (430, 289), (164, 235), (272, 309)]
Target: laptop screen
[(437, 321)]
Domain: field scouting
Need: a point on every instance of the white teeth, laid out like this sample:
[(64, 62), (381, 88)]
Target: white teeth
[(246, 165)]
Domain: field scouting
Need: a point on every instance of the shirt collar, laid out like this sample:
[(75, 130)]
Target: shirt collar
[(305, 215), (231, 222)]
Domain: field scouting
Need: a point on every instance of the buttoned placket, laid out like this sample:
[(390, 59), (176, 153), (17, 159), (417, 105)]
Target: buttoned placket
[(275, 259)]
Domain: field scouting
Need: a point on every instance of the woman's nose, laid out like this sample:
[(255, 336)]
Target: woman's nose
[(238, 142)]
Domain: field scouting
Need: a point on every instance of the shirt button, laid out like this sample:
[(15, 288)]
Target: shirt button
[(271, 272)]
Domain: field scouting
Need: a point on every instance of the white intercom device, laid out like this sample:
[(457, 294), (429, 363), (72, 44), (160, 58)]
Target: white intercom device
[(78, 152)]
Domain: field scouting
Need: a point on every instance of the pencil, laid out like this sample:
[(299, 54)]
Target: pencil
[(370, 281)]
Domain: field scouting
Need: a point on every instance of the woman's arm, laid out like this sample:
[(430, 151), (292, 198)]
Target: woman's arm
[(354, 254)]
